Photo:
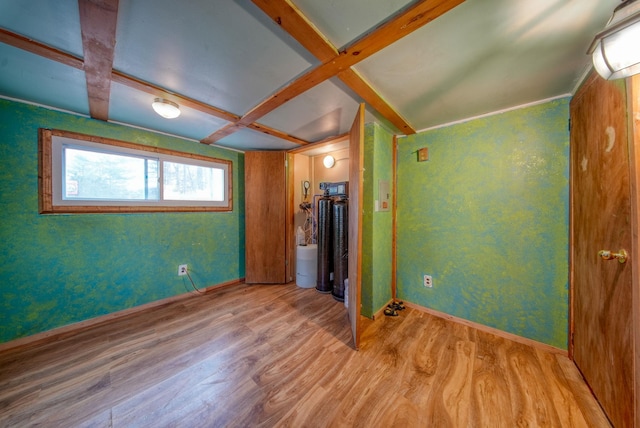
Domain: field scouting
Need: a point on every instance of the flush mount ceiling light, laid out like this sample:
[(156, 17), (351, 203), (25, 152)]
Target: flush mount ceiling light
[(165, 108), (328, 161), (615, 49)]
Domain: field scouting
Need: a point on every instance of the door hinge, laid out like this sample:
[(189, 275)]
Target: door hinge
[(569, 125)]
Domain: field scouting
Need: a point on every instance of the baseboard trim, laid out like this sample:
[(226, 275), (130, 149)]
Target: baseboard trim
[(70, 329), (486, 329)]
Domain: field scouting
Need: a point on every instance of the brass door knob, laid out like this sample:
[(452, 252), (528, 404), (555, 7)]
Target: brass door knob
[(621, 255)]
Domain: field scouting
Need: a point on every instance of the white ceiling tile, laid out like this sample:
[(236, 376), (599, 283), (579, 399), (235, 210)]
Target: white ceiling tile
[(344, 21), (224, 53), (471, 62), (246, 139), (54, 23), (133, 107), (329, 107), (30, 77)]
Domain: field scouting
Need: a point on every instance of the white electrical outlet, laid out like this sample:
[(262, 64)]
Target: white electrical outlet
[(428, 281), (182, 270)]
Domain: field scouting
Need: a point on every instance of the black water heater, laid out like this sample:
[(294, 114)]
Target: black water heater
[(340, 248), (325, 245)]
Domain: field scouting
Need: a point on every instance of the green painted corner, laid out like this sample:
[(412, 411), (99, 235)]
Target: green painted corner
[(60, 269), (487, 217), (377, 226)]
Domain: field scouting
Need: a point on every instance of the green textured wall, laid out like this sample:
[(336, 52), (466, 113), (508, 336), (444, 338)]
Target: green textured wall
[(377, 226), (60, 269), (487, 216)]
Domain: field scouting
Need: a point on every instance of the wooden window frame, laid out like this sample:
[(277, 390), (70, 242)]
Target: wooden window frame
[(46, 203)]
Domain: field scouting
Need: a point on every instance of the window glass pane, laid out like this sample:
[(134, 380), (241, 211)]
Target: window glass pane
[(183, 182), (96, 175), (87, 174)]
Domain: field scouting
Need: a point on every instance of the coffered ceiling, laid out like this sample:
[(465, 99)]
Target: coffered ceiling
[(281, 74)]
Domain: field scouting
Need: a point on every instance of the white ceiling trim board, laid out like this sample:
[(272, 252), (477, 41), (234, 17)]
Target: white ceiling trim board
[(48, 107)]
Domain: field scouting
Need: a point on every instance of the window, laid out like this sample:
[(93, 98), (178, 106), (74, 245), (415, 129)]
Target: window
[(81, 173)]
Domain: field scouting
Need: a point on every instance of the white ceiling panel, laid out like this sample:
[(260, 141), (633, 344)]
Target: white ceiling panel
[(55, 23), (331, 109), (344, 21), (224, 53), (134, 107), (30, 77), (519, 52), (246, 139)]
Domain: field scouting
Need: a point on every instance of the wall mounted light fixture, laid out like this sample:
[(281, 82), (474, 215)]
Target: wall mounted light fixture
[(165, 108), (615, 50), (328, 161)]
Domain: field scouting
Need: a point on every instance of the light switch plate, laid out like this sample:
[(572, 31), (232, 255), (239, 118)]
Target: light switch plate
[(383, 201)]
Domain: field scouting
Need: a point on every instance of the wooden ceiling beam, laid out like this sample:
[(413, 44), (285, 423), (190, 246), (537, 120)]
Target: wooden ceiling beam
[(324, 142), (278, 134), (407, 21), (98, 19), (293, 21), (40, 49), (223, 132), (237, 125), (45, 51), (334, 64), (65, 58)]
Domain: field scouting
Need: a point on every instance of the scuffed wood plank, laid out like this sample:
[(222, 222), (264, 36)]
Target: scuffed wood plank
[(490, 383)]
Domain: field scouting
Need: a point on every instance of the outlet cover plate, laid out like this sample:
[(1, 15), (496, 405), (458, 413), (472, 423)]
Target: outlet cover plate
[(182, 270), (428, 281)]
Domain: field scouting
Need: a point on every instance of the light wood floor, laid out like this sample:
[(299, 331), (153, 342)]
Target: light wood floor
[(279, 355)]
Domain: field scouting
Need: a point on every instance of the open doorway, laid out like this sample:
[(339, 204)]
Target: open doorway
[(340, 159)]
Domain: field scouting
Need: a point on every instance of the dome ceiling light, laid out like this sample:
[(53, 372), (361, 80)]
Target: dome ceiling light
[(615, 50), (165, 108)]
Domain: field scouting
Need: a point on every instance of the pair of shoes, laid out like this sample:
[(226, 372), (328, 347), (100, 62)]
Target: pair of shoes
[(390, 312), (398, 306)]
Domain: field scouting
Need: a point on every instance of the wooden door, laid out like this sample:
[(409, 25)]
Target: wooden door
[(265, 217), (602, 327), (356, 168), (633, 91)]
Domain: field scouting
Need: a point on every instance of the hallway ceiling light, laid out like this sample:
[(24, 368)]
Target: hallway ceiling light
[(615, 50), (328, 161), (165, 108)]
